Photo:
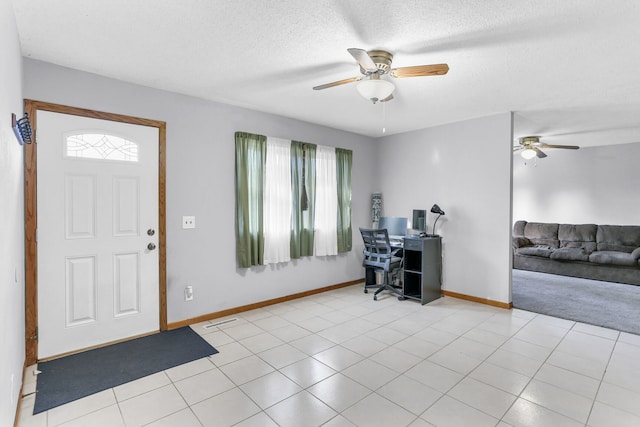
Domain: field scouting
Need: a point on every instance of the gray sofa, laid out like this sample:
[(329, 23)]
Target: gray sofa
[(600, 252)]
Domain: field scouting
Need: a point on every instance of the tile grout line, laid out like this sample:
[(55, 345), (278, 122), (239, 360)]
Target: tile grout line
[(451, 311), (468, 376)]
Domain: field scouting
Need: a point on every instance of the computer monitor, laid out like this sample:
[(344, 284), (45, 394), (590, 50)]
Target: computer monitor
[(396, 226), (419, 220)]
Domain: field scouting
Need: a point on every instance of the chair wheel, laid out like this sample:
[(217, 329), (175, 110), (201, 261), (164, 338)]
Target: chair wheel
[(366, 291), (401, 298), (375, 298)]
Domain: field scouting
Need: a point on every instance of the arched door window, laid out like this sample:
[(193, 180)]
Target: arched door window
[(95, 145)]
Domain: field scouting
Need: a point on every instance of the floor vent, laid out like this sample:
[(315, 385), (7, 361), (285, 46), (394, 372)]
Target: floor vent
[(224, 322)]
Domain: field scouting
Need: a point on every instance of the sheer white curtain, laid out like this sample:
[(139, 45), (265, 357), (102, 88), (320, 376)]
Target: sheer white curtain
[(326, 221), (277, 201)]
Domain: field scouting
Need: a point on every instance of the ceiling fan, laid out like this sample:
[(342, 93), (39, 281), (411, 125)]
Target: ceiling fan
[(377, 63), (531, 147)]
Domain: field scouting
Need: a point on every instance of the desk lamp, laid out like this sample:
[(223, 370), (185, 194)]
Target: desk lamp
[(436, 209)]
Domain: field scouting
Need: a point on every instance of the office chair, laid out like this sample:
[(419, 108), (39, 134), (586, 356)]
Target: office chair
[(382, 259)]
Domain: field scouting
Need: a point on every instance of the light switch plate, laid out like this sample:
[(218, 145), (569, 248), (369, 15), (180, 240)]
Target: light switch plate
[(188, 293), (188, 222)]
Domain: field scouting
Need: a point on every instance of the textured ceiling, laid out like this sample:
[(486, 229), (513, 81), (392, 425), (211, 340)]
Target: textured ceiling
[(568, 69)]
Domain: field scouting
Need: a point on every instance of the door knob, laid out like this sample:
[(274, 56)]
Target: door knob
[(151, 232), (151, 246)]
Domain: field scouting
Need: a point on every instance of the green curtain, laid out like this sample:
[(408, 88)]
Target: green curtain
[(250, 160), (296, 197), (343, 171), (302, 214)]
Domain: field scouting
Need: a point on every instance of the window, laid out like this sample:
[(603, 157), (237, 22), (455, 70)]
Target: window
[(318, 202), (101, 146), (326, 227), (276, 206)]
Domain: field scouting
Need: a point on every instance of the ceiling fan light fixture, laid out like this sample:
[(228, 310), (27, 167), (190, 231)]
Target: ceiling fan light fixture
[(528, 153), (375, 89)]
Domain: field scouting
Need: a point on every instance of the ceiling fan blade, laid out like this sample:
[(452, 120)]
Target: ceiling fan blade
[(388, 98), (363, 58), (539, 152), (420, 70), (338, 83), (570, 147)]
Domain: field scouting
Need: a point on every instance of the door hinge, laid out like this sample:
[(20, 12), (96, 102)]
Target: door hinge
[(36, 337), (36, 235)]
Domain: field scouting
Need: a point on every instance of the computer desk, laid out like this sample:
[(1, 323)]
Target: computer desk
[(421, 276), (422, 262), (396, 243)]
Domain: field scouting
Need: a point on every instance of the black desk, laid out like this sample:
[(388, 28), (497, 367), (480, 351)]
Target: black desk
[(422, 279), (422, 276)]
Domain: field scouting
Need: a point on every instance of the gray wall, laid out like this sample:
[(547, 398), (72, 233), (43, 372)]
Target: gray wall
[(465, 168), (200, 182), (11, 220), (440, 165), (596, 185)]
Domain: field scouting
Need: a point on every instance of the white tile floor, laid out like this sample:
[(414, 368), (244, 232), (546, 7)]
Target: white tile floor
[(341, 359)]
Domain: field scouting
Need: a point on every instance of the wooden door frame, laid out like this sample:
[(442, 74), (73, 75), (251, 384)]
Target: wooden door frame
[(30, 213)]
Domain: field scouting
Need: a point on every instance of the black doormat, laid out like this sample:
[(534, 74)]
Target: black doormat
[(79, 375)]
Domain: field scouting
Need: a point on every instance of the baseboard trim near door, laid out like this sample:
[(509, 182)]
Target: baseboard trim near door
[(490, 302), (243, 308)]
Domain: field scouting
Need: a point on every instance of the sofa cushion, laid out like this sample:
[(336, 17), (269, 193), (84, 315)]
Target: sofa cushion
[(578, 236), (636, 253), (542, 234), (570, 254), (623, 238), (518, 228), (537, 250), (613, 258)]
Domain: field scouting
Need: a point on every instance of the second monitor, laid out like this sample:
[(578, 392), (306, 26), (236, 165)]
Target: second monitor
[(396, 226), (419, 220)]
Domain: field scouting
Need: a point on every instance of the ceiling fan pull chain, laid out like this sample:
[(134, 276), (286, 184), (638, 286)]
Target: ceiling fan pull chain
[(384, 117)]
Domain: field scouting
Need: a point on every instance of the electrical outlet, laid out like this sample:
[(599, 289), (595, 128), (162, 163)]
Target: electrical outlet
[(188, 293), (188, 222)]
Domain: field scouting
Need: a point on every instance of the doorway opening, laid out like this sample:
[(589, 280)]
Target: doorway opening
[(31, 215)]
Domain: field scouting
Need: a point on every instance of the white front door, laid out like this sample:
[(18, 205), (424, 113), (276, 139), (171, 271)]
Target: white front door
[(97, 232)]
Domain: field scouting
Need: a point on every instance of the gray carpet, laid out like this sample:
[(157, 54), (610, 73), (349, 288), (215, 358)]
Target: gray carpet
[(611, 305)]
